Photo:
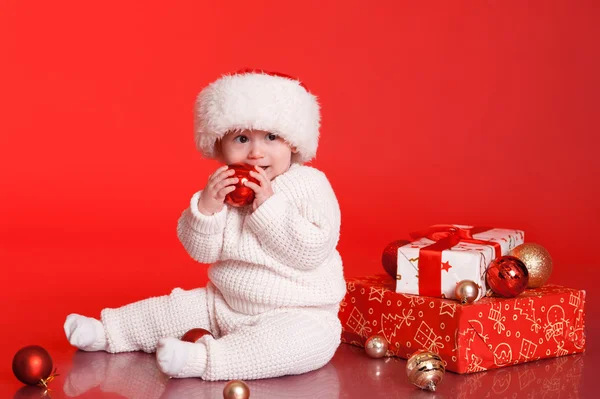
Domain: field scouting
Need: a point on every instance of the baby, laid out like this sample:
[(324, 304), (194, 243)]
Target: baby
[(276, 278)]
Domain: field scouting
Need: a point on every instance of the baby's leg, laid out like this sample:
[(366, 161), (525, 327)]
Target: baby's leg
[(139, 326), (294, 342)]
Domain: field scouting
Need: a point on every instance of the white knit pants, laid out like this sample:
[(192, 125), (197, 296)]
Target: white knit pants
[(274, 343)]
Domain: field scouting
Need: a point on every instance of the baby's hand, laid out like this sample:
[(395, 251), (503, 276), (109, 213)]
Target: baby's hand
[(262, 192), (219, 184)]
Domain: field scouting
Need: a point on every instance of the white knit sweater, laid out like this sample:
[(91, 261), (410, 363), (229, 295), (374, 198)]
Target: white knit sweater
[(276, 284), (283, 254)]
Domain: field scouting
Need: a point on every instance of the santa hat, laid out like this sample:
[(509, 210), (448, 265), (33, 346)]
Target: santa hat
[(255, 99)]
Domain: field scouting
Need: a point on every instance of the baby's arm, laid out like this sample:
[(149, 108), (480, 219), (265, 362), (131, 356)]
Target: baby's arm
[(201, 235), (302, 236)]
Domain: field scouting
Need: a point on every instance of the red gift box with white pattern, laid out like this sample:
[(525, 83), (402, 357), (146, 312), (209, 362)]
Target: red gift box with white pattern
[(490, 333)]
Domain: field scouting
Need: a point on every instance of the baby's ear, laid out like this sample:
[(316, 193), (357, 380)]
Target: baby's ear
[(294, 150)]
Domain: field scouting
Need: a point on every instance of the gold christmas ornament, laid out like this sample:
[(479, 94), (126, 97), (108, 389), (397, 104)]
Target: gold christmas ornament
[(538, 262), (425, 369), (236, 389), (376, 346), (466, 291)]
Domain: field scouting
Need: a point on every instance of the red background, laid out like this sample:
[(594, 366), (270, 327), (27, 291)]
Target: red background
[(463, 112)]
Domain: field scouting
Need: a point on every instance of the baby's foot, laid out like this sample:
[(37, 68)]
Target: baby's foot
[(181, 359), (85, 333)]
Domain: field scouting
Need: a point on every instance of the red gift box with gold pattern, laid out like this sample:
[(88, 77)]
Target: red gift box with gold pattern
[(490, 333)]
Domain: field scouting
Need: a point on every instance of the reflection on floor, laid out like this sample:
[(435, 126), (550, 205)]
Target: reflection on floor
[(351, 374)]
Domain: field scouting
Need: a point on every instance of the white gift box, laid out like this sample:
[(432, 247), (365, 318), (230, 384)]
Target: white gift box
[(464, 261)]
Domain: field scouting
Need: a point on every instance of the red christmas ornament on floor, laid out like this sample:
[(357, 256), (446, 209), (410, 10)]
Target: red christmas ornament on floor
[(242, 195), (507, 276), (195, 334), (32, 365), (389, 258)]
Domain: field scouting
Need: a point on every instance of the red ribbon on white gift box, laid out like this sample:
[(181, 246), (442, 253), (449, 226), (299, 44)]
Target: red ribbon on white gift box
[(445, 236)]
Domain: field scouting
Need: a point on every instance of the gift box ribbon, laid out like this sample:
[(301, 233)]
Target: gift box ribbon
[(445, 236)]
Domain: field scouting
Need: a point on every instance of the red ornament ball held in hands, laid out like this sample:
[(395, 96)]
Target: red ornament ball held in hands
[(507, 276), (195, 334), (242, 195)]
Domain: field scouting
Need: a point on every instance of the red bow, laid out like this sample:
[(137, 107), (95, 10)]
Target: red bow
[(430, 257)]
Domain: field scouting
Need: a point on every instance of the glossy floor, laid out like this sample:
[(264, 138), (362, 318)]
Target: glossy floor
[(351, 374), (34, 308)]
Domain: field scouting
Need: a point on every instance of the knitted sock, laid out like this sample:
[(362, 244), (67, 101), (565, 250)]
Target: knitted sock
[(181, 359), (86, 333)]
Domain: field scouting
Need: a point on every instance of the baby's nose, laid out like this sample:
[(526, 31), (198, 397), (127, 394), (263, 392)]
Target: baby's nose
[(256, 151)]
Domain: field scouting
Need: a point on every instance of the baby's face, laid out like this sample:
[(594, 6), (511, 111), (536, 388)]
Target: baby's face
[(257, 147)]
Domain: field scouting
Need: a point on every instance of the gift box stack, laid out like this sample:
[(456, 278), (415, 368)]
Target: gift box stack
[(474, 296)]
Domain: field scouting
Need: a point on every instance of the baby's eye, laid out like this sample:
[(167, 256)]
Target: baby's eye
[(271, 137), (241, 139)]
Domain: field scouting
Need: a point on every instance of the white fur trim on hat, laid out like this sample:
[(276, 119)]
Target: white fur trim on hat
[(259, 101)]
